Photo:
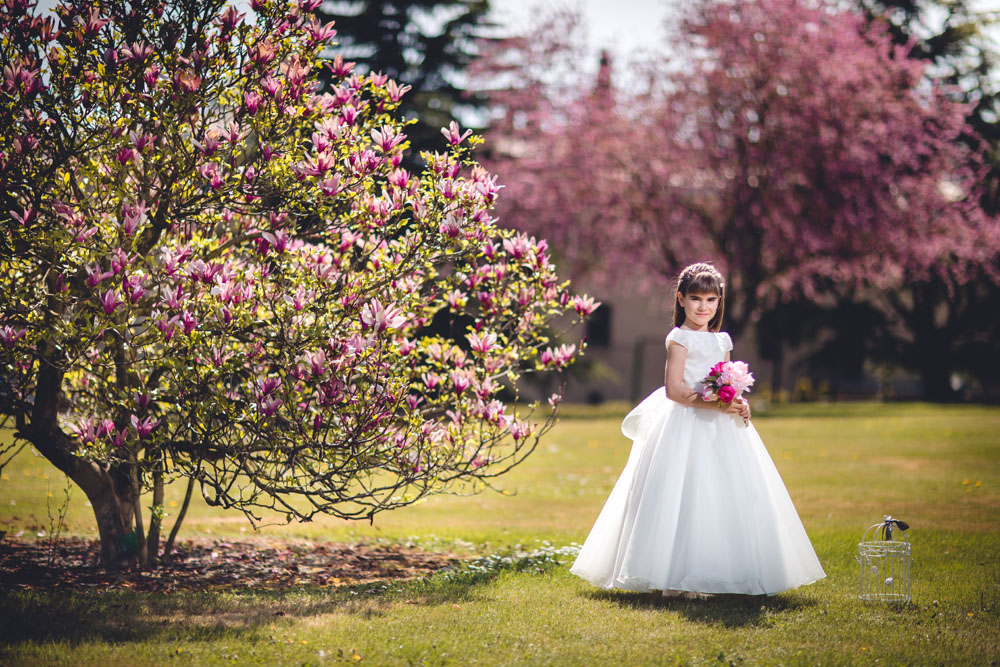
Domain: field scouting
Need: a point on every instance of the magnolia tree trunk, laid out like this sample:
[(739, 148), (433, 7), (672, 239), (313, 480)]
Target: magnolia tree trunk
[(109, 488)]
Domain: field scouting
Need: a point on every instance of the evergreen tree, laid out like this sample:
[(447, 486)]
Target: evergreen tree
[(426, 44)]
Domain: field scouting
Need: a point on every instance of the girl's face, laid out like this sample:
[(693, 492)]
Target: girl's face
[(699, 309)]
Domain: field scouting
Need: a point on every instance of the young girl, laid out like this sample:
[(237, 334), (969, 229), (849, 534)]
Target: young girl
[(700, 507)]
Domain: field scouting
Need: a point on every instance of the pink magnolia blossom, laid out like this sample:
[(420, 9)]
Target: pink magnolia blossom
[(143, 427), (188, 323), (317, 165), (25, 217), (267, 385), (232, 132), (272, 86), (187, 81), (338, 67), (584, 305), (495, 412), (209, 144), (151, 75), (451, 227), (452, 134), (378, 317), (431, 380), (137, 52), (460, 380), (229, 18), (482, 343), (270, 405), (519, 429), (133, 215), (252, 101), (406, 346), (210, 171), (396, 91), (559, 356), (9, 335), (318, 32), (110, 301), (95, 276), (387, 138)]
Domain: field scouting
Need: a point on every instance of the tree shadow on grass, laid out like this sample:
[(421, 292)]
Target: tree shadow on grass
[(727, 610), (244, 604), (247, 614)]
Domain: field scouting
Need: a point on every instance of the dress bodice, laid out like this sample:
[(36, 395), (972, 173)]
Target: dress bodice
[(704, 350)]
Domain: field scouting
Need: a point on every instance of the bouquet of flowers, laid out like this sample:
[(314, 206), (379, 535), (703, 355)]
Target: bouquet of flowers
[(727, 381)]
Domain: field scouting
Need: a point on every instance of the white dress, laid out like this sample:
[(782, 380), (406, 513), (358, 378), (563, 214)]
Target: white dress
[(700, 506)]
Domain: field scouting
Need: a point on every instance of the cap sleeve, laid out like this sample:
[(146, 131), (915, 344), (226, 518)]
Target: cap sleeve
[(677, 335), (727, 342)]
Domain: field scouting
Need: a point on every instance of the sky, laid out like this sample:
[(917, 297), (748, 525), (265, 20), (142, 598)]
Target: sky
[(622, 25), (616, 25)]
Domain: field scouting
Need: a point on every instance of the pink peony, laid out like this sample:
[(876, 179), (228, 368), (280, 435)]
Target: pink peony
[(726, 394)]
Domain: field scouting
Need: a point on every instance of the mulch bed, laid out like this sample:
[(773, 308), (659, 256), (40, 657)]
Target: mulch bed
[(70, 564)]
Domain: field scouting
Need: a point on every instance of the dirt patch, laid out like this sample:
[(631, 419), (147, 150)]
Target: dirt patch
[(71, 564)]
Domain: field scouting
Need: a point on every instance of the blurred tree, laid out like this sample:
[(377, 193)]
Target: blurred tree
[(795, 145), (952, 35), (426, 43)]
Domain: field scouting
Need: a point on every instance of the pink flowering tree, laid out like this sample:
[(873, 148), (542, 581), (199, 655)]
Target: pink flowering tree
[(800, 150), (211, 271)]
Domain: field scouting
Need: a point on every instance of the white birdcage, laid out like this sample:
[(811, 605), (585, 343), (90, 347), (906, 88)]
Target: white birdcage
[(885, 562)]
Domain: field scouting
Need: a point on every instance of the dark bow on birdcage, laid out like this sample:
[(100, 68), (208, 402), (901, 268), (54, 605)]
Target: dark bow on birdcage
[(887, 524)]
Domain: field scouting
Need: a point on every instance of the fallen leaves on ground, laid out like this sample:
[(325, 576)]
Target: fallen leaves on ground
[(72, 564)]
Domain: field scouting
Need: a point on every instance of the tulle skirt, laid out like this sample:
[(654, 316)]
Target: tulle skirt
[(699, 507)]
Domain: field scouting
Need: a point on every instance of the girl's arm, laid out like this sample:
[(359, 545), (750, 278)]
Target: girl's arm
[(677, 391)]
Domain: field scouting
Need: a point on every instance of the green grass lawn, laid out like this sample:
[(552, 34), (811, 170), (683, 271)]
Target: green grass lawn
[(937, 467)]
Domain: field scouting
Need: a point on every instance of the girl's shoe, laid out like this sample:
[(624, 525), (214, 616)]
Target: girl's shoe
[(691, 595)]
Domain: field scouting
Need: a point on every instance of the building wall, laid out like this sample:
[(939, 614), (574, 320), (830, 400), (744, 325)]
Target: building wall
[(630, 365)]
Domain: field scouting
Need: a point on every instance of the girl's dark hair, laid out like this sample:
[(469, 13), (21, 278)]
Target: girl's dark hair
[(700, 278)]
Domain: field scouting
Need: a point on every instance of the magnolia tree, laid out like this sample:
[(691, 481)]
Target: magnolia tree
[(800, 150), (212, 271)]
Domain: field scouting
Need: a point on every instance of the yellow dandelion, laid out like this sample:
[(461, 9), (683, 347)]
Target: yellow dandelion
[(965, 482)]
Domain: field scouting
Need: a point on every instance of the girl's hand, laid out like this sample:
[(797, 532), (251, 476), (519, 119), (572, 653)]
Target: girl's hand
[(744, 411), (731, 408), (739, 406)]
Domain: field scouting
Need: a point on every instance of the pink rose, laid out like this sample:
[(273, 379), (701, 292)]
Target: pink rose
[(718, 367), (727, 394), (708, 395)]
